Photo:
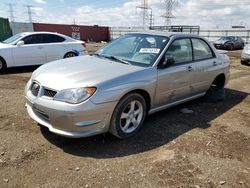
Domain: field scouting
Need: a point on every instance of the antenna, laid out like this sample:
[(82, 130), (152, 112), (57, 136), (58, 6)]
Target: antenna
[(11, 11), (29, 12), (145, 8), (170, 5)]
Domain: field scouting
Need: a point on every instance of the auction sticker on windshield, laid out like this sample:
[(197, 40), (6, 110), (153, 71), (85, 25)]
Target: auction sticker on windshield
[(150, 50)]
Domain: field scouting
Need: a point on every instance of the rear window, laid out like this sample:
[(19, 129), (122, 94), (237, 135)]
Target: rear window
[(50, 38), (201, 50)]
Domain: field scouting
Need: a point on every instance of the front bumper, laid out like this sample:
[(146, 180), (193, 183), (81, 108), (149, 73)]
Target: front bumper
[(221, 46), (245, 57), (80, 120)]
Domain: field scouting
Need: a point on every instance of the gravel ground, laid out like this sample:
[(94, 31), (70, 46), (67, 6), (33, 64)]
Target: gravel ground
[(207, 148)]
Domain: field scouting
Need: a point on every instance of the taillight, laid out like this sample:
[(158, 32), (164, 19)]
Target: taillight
[(84, 45)]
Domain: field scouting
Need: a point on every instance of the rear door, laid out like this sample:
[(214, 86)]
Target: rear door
[(54, 47), (31, 53), (174, 81), (205, 66)]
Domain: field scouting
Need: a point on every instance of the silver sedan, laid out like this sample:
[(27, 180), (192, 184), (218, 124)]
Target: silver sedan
[(133, 76)]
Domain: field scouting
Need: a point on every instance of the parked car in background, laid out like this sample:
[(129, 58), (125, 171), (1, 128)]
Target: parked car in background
[(114, 89), (245, 55), (35, 48), (229, 43)]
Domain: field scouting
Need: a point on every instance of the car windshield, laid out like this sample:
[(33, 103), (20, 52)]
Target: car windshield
[(135, 49), (227, 38), (13, 39)]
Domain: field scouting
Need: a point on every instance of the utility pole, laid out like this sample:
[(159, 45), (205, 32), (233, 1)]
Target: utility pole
[(11, 11), (170, 5), (151, 19), (29, 12), (145, 8)]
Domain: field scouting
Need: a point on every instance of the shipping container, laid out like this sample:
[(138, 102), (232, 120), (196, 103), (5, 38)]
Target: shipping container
[(5, 31), (19, 27), (85, 33)]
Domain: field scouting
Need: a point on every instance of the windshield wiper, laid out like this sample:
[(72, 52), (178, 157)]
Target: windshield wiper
[(113, 58), (118, 59)]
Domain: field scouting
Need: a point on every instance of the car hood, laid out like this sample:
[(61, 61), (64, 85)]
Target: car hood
[(80, 71), (221, 41), (3, 45)]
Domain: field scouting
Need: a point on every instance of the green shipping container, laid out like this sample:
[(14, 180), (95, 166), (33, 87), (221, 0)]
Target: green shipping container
[(5, 30)]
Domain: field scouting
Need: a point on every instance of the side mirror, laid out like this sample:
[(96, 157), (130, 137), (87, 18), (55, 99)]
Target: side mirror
[(20, 43), (167, 62)]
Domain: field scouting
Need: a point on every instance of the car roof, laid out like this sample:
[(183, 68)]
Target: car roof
[(166, 34), (40, 32)]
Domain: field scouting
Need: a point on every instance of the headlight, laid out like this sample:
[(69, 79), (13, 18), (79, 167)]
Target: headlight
[(75, 96)]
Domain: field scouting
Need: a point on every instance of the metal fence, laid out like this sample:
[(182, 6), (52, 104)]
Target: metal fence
[(210, 34)]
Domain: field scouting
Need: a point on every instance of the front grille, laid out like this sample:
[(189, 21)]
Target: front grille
[(49, 92), (35, 87)]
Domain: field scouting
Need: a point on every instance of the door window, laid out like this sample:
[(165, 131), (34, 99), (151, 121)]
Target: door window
[(33, 39), (180, 50), (201, 50)]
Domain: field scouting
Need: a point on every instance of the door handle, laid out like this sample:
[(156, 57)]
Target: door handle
[(40, 47), (214, 63), (189, 68)]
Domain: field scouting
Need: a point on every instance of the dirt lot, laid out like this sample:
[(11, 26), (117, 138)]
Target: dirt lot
[(207, 148)]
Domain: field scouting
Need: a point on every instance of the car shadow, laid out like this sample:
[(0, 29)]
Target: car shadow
[(17, 70), (159, 129)]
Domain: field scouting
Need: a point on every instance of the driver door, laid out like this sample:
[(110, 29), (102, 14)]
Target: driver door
[(174, 81), (31, 53)]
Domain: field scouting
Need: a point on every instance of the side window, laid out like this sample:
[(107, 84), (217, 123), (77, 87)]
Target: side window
[(180, 50), (50, 38), (32, 39), (201, 50)]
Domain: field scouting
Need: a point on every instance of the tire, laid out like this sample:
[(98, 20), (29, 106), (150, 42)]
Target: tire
[(244, 62), (231, 47), (2, 65), (128, 116), (215, 94), (70, 54)]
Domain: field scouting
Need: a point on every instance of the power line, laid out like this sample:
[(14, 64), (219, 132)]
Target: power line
[(29, 12), (11, 11), (170, 5)]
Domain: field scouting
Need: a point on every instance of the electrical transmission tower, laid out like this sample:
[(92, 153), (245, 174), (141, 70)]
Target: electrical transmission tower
[(170, 5), (29, 12), (144, 7), (11, 11)]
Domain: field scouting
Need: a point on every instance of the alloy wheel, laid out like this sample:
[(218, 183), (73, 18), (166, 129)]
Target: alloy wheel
[(131, 116)]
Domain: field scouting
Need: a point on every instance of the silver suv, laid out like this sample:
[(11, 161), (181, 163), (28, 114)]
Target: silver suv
[(133, 76)]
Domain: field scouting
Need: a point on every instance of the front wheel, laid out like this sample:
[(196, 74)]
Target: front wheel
[(2, 65), (128, 116)]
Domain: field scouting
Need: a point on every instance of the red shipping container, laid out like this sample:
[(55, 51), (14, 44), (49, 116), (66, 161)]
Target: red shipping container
[(85, 33)]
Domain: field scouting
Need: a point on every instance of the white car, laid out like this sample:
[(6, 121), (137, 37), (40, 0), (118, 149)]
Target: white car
[(245, 55), (35, 48)]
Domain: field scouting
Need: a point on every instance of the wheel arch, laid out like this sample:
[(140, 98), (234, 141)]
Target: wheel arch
[(144, 94)]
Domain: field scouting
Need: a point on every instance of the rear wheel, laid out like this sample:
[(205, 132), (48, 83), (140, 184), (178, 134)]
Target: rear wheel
[(70, 54), (216, 92), (128, 116)]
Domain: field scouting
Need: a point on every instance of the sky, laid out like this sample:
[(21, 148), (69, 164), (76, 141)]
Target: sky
[(123, 13)]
